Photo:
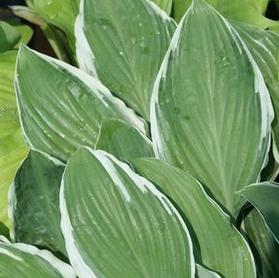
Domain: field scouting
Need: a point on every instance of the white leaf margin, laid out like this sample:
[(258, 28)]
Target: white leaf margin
[(79, 265), (95, 86), (267, 112), (64, 269)]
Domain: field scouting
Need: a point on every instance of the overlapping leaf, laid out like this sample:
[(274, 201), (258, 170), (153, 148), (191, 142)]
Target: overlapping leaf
[(166, 5), (12, 146), (9, 36), (62, 108), (26, 32), (271, 170), (205, 273), (249, 11), (123, 43), (265, 248), (264, 197), (60, 13), (123, 141), (34, 203), (117, 224), (211, 112), (25, 261), (217, 243), (264, 46)]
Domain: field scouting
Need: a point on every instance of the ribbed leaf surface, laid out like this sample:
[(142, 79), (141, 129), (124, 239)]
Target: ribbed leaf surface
[(265, 248), (123, 141), (35, 203), (217, 243), (62, 108), (264, 46), (264, 197), (117, 224), (26, 261), (211, 112), (60, 13), (123, 43)]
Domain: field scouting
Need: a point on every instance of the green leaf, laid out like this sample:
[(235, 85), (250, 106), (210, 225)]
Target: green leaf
[(217, 243), (26, 261), (166, 5), (123, 141), (264, 197), (29, 15), (134, 229), (202, 272), (264, 46), (9, 36), (58, 43), (61, 107), (211, 112), (12, 146), (34, 203), (25, 31), (249, 11), (266, 249), (259, 5), (59, 13), (271, 170), (123, 43)]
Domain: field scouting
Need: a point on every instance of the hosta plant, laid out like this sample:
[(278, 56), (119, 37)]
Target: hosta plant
[(157, 156), (12, 146)]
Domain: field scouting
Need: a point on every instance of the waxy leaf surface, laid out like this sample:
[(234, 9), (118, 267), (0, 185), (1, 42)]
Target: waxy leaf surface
[(217, 243), (26, 261), (34, 203), (117, 224), (123, 141), (264, 197), (264, 46), (124, 43), (263, 244), (211, 112), (61, 107)]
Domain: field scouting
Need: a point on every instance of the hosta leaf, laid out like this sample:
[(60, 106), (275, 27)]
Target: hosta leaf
[(211, 112), (123, 227), (12, 146), (61, 107), (264, 197), (266, 249), (59, 13), (166, 5), (29, 15), (123, 141), (9, 36), (271, 170), (205, 273), (26, 261), (264, 46), (217, 243), (35, 203), (249, 11), (123, 43), (259, 5), (25, 31)]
